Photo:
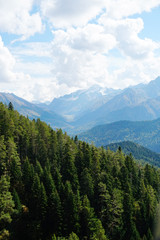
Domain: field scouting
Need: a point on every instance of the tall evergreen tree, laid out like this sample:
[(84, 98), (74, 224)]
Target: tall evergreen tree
[(69, 171), (6, 206)]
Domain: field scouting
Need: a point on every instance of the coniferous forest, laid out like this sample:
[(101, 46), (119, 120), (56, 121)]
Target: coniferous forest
[(56, 187)]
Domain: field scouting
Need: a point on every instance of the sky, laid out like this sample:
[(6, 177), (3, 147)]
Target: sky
[(49, 48)]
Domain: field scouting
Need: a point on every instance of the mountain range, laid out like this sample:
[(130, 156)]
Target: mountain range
[(95, 106), (84, 109), (145, 133), (138, 103), (33, 111), (140, 153)]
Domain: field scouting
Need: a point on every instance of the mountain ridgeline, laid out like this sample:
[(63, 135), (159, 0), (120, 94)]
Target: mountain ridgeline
[(84, 109), (95, 106), (33, 111), (55, 187), (145, 133), (142, 154)]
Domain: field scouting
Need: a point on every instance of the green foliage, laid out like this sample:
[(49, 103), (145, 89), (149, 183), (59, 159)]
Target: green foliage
[(2, 155), (145, 133), (149, 234), (6, 205), (73, 236), (139, 152), (66, 189), (10, 106), (17, 202)]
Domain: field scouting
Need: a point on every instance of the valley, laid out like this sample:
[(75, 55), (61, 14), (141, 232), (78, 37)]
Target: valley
[(84, 109)]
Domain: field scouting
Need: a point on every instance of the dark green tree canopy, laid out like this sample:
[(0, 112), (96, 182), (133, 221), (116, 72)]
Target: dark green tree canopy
[(56, 187)]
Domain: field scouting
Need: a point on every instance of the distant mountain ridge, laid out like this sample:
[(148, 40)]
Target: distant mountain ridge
[(138, 103), (145, 133), (33, 111), (138, 152), (84, 109), (73, 106)]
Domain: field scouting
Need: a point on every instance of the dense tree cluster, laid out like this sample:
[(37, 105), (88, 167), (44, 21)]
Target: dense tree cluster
[(54, 187), (140, 153), (145, 133)]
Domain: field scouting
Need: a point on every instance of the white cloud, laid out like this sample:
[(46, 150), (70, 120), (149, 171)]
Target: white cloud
[(91, 38), (49, 90), (29, 79), (126, 34), (79, 55), (32, 49), (70, 12), (9, 78), (7, 62), (132, 72), (119, 9), (17, 19), (66, 13)]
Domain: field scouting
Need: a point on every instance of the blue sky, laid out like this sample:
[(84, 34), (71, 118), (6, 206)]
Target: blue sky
[(50, 48), (151, 24)]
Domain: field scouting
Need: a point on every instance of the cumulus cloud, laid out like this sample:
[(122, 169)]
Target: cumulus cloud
[(29, 69), (49, 90), (91, 38), (16, 18), (119, 9), (63, 14), (9, 77), (70, 12), (85, 35), (126, 33), (79, 70), (81, 52), (79, 55), (131, 72), (7, 62)]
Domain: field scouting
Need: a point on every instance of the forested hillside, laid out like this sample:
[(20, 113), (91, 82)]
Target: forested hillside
[(54, 187), (33, 111), (81, 110), (145, 133), (139, 152)]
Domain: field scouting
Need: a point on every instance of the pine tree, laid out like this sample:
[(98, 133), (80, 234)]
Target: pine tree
[(134, 233), (149, 234), (16, 174), (10, 106), (73, 236), (17, 202), (28, 178), (115, 222), (42, 202), (54, 208), (144, 237), (69, 171), (3, 166), (6, 205), (87, 186), (71, 210), (91, 227), (128, 212)]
